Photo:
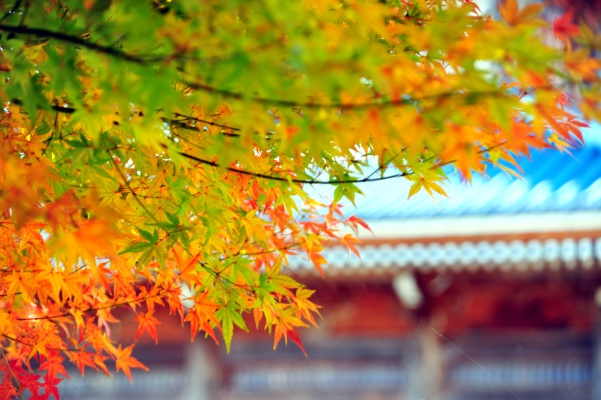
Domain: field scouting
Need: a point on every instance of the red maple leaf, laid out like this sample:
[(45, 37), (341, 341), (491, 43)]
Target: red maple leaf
[(7, 390), (563, 27), (49, 386), (31, 382), (293, 335), (53, 365)]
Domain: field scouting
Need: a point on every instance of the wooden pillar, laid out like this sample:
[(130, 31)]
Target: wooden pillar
[(200, 373), (424, 364)]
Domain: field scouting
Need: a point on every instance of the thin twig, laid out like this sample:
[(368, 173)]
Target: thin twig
[(31, 345), (293, 180), (126, 182), (12, 10), (401, 102), (12, 373), (49, 140)]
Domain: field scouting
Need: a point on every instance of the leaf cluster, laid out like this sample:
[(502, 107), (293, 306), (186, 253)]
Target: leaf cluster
[(159, 154)]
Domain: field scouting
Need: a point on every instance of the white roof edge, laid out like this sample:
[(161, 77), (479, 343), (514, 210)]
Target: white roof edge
[(578, 221)]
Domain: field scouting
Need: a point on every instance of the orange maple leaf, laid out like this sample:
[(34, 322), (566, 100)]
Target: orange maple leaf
[(510, 12), (146, 322), (349, 241), (125, 361), (81, 359), (201, 316), (305, 307), (99, 360), (284, 322), (317, 260)]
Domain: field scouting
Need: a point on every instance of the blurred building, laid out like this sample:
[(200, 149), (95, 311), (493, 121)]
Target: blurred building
[(495, 289), (491, 294)]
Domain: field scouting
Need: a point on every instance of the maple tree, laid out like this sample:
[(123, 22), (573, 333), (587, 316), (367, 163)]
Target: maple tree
[(158, 153)]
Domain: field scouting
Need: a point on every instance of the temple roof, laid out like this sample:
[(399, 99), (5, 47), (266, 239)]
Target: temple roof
[(549, 218), (552, 182)]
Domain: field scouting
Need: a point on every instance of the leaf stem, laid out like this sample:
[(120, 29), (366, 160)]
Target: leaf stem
[(125, 181)]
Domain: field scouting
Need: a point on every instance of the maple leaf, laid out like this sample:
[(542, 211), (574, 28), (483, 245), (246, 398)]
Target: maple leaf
[(564, 28), (318, 260), (100, 273), (92, 238), (293, 335), (202, 315), (31, 382), (509, 10), (125, 361), (424, 182), (99, 361), (229, 316), (304, 307), (98, 339), (7, 390), (355, 221), (284, 322), (53, 365), (151, 296), (50, 386), (580, 64), (146, 322), (349, 241), (197, 323), (173, 297), (81, 359)]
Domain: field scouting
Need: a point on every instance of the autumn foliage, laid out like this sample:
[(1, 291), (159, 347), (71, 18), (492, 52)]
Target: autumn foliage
[(157, 154)]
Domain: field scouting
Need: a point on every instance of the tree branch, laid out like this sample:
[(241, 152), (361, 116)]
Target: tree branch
[(40, 32), (204, 121), (296, 104), (170, 121), (69, 110), (323, 182), (31, 345), (339, 106), (293, 180), (139, 59), (188, 127)]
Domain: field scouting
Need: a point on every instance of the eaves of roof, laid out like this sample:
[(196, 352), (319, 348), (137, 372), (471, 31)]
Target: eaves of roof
[(552, 182), (507, 255), (550, 219)]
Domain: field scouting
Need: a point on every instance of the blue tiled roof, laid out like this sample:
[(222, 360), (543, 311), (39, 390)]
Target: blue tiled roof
[(553, 182)]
